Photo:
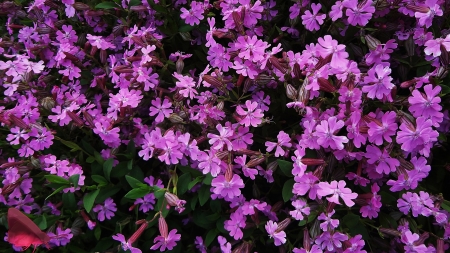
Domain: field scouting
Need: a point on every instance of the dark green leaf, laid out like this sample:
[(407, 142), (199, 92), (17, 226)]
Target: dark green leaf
[(41, 222), (107, 167), (204, 194), (137, 193), (69, 144), (56, 179), (57, 190), (183, 182), (106, 5), (286, 167), (134, 183), (98, 232), (185, 28), (208, 179), (69, 201), (100, 180), (210, 236), (89, 199), (287, 190), (74, 180), (194, 182)]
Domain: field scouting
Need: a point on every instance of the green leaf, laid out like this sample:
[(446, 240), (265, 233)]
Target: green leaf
[(137, 193), (208, 179), (445, 207), (193, 183), (56, 179), (74, 180), (100, 180), (185, 28), (183, 182), (41, 222), (286, 167), (58, 190), (69, 144), (210, 236), (134, 183), (287, 190), (134, 2), (107, 167), (89, 199), (98, 232), (69, 201), (106, 5), (204, 194)]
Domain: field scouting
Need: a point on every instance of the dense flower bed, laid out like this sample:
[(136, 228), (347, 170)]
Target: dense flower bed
[(227, 126)]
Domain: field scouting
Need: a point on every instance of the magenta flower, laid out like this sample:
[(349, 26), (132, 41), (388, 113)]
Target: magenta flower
[(235, 225), (410, 239), (378, 82), (125, 244), (306, 183), (251, 117), (61, 238), (325, 133), (312, 21), (251, 48), (381, 159), (358, 14), (301, 208), (284, 140), (413, 137), (162, 108), (194, 15), (105, 211), (332, 241), (186, 85), (426, 18), (337, 189), (168, 242), (219, 141), (279, 237), (384, 129), (331, 47), (329, 224), (221, 186), (427, 105)]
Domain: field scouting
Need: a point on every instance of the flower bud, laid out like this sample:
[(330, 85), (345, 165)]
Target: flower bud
[(273, 166), (44, 30), (372, 42), (79, 6), (415, 8), (325, 85), (47, 103), (78, 222), (186, 36), (291, 91), (92, 13), (162, 225), (306, 240), (255, 161), (174, 118), (263, 79), (440, 246), (138, 233), (283, 224), (277, 206), (138, 8), (103, 56), (277, 64)]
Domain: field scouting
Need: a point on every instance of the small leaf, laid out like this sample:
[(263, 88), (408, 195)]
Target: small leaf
[(137, 193), (56, 179), (193, 183), (107, 168), (208, 179), (89, 199), (57, 190), (185, 28), (97, 232), (210, 236), (69, 201), (134, 183), (286, 167), (100, 180), (69, 144), (287, 190), (41, 222), (106, 5), (74, 179), (183, 182), (204, 195)]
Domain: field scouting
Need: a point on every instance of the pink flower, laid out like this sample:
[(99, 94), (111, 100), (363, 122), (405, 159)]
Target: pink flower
[(161, 108), (301, 208), (235, 225), (194, 15), (382, 160), (221, 186), (329, 46), (186, 85), (284, 140), (106, 210), (279, 237), (358, 14), (337, 189), (252, 116), (219, 141), (426, 19), (332, 241), (427, 105), (166, 242), (325, 133), (312, 21)]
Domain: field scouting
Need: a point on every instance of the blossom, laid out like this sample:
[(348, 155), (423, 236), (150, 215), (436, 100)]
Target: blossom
[(105, 211), (331, 240), (284, 140), (61, 238), (186, 85), (427, 105), (329, 224), (301, 208), (279, 237), (166, 242), (325, 132), (378, 82), (125, 244), (219, 141), (312, 21), (383, 161), (194, 15), (235, 224), (337, 189), (252, 116), (358, 14), (426, 18), (329, 46), (227, 188), (162, 108)]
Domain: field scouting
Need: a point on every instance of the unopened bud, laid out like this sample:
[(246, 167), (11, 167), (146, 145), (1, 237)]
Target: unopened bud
[(47, 103), (186, 36), (103, 56), (291, 91), (162, 225), (372, 42), (179, 65), (138, 8), (325, 85), (263, 79), (79, 6), (174, 118), (283, 224), (255, 161), (390, 231), (138, 232)]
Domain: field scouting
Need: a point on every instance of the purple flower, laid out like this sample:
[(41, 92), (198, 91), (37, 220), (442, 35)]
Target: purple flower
[(146, 203), (331, 241), (337, 189), (61, 238), (227, 188), (284, 140), (426, 18), (186, 85), (409, 239), (382, 129), (301, 208), (125, 244), (306, 183), (225, 246), (235, 225), (106, 210), (194, 15), (378, 82), (279, 237), (169, 242), (331, 47), (358, 14), (328, 224), (382, 160), (252, 116), (161, 108), (312, 21), (326, 131), (427, 105), (219, 141)]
